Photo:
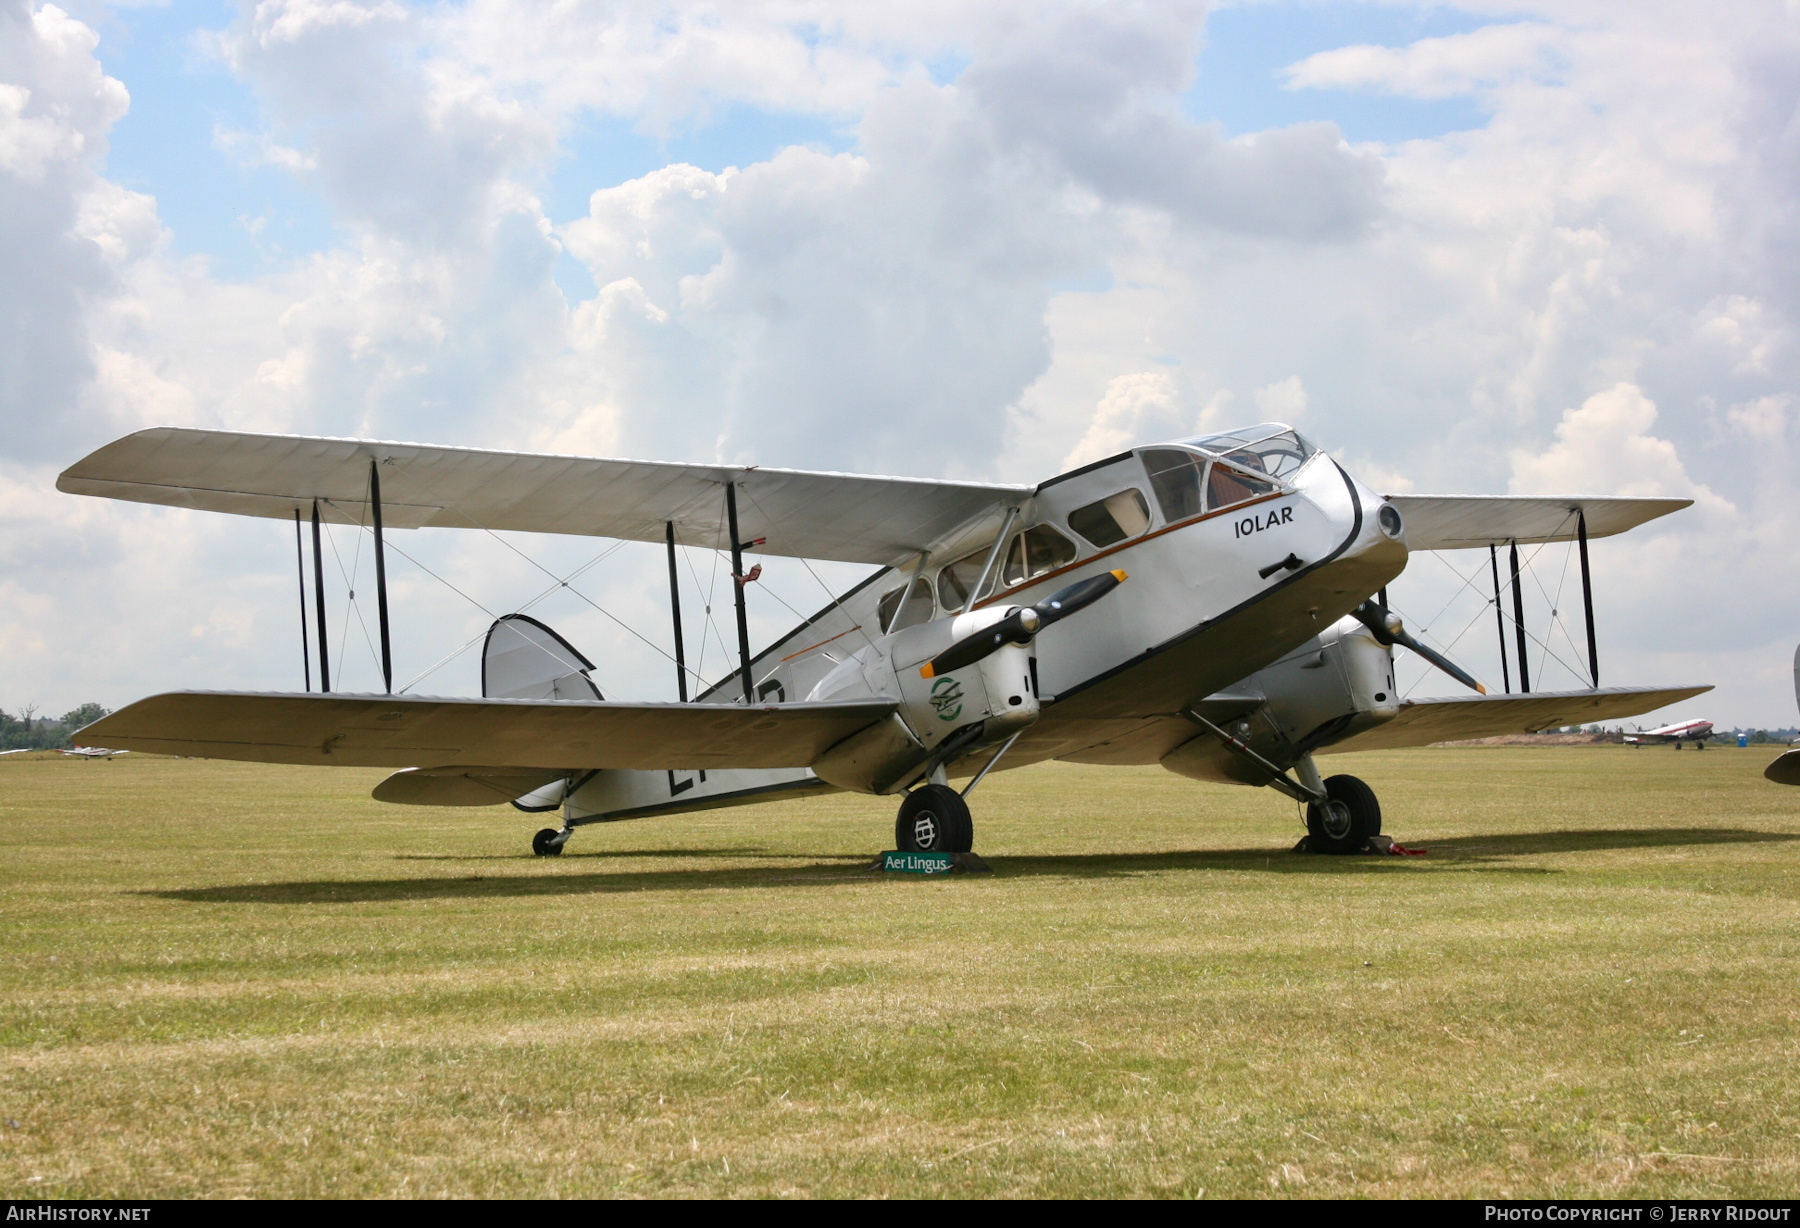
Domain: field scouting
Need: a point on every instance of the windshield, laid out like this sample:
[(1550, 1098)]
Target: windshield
[(1271, 448)]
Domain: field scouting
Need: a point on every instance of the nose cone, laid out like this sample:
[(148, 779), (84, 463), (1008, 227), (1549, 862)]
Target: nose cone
[(1374, 533)]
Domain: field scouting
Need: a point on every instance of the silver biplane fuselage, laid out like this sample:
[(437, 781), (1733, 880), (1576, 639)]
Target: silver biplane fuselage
[(1239, 549)]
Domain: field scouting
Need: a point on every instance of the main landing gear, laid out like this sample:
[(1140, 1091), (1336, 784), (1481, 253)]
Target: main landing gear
[(549, 842), (1345, 820), (934, 818)]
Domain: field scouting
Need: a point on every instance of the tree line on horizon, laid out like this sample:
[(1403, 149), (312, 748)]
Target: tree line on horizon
[(29, 731)]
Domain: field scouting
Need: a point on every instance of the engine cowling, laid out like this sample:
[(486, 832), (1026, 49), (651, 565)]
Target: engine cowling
[(1328, 689), (994, 697)]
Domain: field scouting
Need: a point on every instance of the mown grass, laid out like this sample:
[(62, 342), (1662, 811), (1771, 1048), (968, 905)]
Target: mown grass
[(222, 979)]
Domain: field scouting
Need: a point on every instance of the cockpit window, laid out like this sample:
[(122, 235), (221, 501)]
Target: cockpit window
[(955, 581), (1035, 551), (1271, 448), (917, 607), (1175, 480), (1234, 483), (1113, 519)]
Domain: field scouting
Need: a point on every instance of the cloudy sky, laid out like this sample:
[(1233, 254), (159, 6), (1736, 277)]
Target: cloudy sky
[(1478, 248)]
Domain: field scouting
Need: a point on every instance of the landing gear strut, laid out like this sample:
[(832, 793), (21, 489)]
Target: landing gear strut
[(1345, 820), (934, 819), (549, 842)]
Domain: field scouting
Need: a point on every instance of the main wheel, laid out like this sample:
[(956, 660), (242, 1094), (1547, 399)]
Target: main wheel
[(1346, 819), (545, 843), (934, 819)]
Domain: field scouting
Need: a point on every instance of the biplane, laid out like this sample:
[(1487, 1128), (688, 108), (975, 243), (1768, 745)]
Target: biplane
[(1215, 605)]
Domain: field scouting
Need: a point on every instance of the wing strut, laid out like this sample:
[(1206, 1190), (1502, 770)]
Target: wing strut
[(300, 563), (1500, 619), (319, 595), (1519, 621), (1587, 598), (739, 582), (387, 656), (675, 610)]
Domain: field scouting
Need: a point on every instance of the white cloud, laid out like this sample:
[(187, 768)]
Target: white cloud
[(1282, 401), (1605, 447), (1132, 407), (1435, 67)]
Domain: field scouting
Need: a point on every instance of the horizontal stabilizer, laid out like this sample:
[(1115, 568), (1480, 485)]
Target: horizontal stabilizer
[(462, 786), (1465, 522), (409, 731), (1424, 721), (804, 514)]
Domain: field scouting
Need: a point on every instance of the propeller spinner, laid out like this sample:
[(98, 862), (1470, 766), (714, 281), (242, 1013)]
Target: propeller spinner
[(1388, 629), (1023, 623)]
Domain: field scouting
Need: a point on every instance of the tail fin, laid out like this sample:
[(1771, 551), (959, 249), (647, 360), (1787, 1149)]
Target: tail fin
[(524, 659)]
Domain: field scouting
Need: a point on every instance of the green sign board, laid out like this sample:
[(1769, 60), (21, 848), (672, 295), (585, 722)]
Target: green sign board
[(919, 863)]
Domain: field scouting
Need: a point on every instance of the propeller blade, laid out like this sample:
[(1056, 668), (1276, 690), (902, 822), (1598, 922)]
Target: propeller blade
[(1077, 596), (1022, 624), (1388, 629), (1012, 629), (1443, 663)]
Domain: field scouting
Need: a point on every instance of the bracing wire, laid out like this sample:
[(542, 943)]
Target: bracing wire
[(836, 601), (480, 635), (560, 582), (1488, 602), (350, 605)]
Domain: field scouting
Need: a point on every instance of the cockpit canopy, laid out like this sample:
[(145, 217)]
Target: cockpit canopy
[(1215, 471), (1186, 479), (1271, 448)]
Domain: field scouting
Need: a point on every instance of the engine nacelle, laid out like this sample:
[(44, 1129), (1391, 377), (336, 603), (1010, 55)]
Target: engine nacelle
[(995, 693), (1328, 689)]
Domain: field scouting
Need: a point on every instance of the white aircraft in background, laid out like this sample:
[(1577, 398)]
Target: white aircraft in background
[(1207, 604), (1687, 731), (94, 752)]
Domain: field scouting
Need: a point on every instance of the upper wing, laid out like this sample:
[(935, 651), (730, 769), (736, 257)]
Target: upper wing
[(848, 517), (408, 731), (1460, 522), (1424, 721)]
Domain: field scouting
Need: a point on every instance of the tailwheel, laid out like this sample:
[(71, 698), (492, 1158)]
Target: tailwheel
[(1346, 819), (548, 843), (934, 819)]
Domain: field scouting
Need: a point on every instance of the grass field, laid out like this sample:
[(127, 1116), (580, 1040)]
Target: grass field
[(222, 979)]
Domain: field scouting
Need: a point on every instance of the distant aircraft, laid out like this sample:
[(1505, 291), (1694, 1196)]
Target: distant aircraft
[(1687, 731), (94, 752), (1786, 770), (998, 630)]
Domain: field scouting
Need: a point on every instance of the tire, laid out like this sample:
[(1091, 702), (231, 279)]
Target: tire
[(934, 819), (1350, 815), (543, 844)]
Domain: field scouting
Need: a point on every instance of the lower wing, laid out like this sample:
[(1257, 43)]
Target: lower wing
[(408, 731), (1424, 721)]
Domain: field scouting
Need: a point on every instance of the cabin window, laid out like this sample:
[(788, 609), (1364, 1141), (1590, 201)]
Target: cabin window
[(955, 581), (917, 608), (1035, 551), (1111, 520), (1175, 480)]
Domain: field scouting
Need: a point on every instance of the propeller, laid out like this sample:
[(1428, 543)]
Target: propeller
[(1388, 629), (1023, 623)]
